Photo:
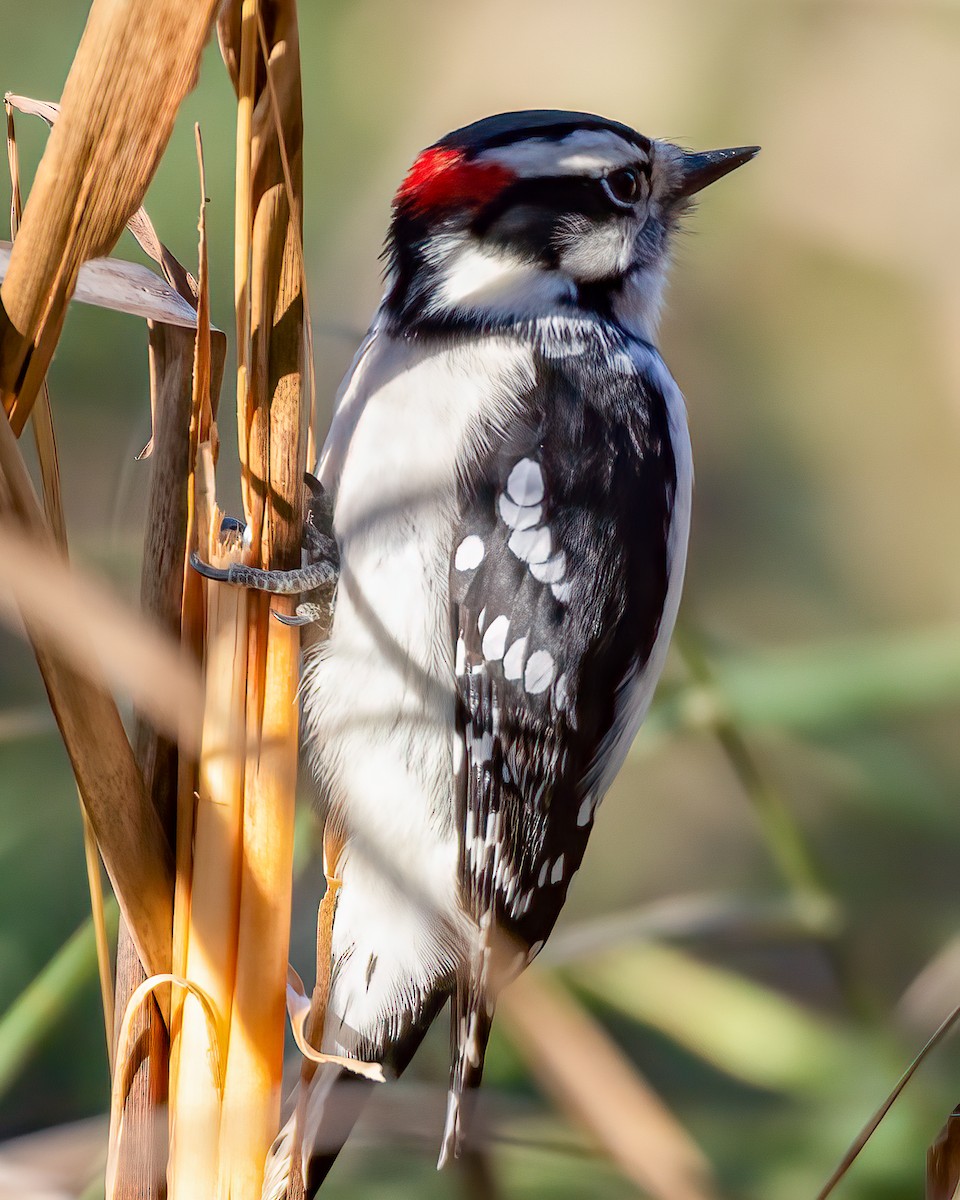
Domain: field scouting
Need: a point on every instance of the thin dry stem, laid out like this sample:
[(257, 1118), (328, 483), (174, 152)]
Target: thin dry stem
[(586, 1074), (49, 462)]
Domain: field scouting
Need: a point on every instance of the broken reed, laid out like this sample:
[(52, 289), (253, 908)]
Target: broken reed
[(231, 927)]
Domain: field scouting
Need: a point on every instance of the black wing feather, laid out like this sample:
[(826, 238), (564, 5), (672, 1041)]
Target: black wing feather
[(600, 445)]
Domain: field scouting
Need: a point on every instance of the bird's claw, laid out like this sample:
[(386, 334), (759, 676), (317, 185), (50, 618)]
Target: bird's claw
[(306, 614), (321, 569), (220, 574)]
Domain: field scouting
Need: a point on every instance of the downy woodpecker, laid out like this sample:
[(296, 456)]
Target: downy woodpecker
[(510, 475)]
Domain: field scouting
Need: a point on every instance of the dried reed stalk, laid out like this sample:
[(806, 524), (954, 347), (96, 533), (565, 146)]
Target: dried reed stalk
[(142, 1157), (586, 1075), (134, 65), (136, 61), (270, 356), (215, 892)]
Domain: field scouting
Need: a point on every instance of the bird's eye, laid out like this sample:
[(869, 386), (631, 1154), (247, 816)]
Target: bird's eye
[(623, 186)]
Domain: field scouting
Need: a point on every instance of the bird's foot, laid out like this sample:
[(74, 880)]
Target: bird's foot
[(321, 568)]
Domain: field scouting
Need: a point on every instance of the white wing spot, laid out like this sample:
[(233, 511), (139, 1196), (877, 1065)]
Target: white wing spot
[(481, 619), (552, 571), (495, 639), (525, 483), (457, 755), (557, 873), (469, 553), (542, 878), (516, 516), (531, 545), (561, 696), (460, 662), (534, 951), (586, 812), (539, 672), (561, 591), (513, 659)]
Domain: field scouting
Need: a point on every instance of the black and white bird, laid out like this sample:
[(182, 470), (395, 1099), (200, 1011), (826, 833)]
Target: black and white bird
[(510, 474)]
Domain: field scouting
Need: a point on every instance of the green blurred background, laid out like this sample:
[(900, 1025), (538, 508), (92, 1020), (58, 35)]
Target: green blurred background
[(787, 827)]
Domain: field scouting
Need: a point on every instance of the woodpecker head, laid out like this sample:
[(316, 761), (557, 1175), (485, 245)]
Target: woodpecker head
[(528, 214)]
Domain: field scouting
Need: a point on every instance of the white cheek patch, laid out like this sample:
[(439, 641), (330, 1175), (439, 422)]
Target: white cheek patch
[(589, 251), (472, 278)]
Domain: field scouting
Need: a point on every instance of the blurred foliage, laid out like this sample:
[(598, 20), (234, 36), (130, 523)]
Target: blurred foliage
[(813, 326)]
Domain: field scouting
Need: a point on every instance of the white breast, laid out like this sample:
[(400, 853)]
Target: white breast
[(378, 698)]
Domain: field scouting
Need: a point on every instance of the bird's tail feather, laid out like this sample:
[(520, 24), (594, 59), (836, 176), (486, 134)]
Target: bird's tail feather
[(471, 1017), (327, 1105)]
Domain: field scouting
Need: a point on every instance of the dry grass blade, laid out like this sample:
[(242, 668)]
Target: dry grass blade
[(578, 1065), (123, 287), (135, 63), (101, 640), (871, 1126), (46, 110), (210, 793), (49, 462), (299, 1010), (132, 842)]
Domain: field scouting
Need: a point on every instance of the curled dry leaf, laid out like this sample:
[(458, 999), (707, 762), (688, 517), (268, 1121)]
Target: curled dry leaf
[(124, 287), (125, 1044), (298, 1007), (139, 224)]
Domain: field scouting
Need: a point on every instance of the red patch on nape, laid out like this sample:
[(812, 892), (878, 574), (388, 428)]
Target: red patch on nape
[(442, 177)]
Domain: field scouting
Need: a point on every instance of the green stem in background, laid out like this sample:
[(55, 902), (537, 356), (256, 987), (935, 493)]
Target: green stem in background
[(49, 997), (817, 689), (784, 839), (781, 833)]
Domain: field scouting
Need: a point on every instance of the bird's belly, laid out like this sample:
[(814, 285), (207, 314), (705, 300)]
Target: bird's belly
[(378, 701), (378, 698)]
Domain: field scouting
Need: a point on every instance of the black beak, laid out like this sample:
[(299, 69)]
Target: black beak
[(705, 168)]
